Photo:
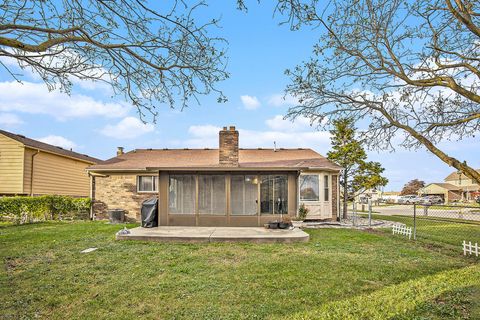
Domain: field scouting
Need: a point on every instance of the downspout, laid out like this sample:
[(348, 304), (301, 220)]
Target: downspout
[(91, 195), (31, 172)]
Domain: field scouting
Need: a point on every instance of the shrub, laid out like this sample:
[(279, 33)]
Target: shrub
[(302, 211), (50, 207)]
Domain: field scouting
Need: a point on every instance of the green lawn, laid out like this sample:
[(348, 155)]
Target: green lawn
[(339, 274), (445, 233)]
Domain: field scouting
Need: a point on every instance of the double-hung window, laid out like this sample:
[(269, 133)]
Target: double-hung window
[(147, 183)]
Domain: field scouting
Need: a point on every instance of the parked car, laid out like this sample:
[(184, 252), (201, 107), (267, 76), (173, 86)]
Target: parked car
[(432, 200), (408, 199)]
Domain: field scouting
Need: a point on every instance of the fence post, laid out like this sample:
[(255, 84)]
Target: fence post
[(414, 221), (370, 213)]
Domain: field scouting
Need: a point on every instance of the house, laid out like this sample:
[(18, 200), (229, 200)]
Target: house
[(457, 187), (228, 186), (30, 167)]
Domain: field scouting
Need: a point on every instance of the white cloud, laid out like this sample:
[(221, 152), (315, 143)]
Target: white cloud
[(58, 141), (280, 100), (127, 128), (34, 98), (278, 123), (284, 133), (10, 120), (250, 102)]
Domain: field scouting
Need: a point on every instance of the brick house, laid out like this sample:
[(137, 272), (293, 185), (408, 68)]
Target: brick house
[(228, 186)]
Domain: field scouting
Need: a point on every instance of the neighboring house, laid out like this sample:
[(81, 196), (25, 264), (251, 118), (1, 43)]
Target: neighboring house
[(457, 187), (389, 196), (228, 186), (30, 167)]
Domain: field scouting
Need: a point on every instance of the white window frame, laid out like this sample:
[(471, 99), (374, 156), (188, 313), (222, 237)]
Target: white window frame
[(319, 188), (154, 183)]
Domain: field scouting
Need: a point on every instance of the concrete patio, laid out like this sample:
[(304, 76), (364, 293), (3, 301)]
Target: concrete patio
[(215, 234)]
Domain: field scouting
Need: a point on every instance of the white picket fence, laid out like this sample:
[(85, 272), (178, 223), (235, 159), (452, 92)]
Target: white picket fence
[(470, 248), (403, 230)]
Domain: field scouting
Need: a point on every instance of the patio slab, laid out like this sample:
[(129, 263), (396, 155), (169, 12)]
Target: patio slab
[(214, 234)]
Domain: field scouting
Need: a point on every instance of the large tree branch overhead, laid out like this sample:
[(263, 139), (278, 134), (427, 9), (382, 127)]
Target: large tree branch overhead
[(406, 69), (148, 56)]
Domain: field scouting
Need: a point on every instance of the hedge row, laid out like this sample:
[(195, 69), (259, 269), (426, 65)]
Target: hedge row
[(50, 207)]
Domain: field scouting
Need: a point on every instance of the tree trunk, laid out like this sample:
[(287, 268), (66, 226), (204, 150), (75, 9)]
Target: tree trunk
[(345, 197)]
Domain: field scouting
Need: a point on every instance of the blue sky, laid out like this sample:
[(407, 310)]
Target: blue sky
[(259, 51)]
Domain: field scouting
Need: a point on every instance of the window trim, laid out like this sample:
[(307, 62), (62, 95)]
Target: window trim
[(155, 184), (299, 188), (326, 187)]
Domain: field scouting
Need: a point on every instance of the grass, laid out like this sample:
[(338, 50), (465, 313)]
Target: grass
[(339, 274), (444, 233)]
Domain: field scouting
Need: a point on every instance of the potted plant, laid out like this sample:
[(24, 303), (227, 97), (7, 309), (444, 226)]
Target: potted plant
[(302, 212), (285, 223)]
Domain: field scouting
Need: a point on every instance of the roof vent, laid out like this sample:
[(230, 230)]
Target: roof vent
[(21, 136)]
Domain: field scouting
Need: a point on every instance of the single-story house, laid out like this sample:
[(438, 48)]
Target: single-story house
[(31, 167), (228, 186), (457, 187), (447, 191)]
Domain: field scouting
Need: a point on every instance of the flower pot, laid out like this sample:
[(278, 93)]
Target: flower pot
[(273, 225), (283, 225)]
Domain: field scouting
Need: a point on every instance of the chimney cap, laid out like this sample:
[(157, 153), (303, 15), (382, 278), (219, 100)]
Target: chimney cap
[(224, 128), (119, 151), (232, 128)]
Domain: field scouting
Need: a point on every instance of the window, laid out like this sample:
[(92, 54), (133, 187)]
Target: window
[(147, 183), (309, 187), (274, 194), (326, 189), (243, 195), (181, 195), (212, 195)]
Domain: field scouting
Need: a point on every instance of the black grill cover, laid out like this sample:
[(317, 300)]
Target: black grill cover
[(150, 213)]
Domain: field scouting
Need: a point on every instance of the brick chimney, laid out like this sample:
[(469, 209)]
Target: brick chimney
[(119, 151), (228, 147)]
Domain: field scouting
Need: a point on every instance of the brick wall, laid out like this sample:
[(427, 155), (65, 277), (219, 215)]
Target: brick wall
[(228, 147), (118, 192), (334, 197)]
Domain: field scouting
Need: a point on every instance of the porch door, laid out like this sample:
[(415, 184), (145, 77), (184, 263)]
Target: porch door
[(315, 194)]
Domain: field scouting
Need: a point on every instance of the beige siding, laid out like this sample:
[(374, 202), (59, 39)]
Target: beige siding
[(11, 166), (27, 170), (53, 174)]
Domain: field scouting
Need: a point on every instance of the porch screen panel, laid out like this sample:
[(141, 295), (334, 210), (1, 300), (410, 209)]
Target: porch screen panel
[(274, 194), (280, 193), (309, 187), (243, 195), (182, 194), (212, 197), (266, 195)]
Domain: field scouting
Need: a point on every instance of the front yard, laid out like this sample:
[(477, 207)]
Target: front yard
[(339, 274)]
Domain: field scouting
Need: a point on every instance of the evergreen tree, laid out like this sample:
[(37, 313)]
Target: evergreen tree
[(347, 151)]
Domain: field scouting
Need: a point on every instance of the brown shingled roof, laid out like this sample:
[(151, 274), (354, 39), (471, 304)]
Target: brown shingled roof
[(49, 148), (142, 159), (454, 176)]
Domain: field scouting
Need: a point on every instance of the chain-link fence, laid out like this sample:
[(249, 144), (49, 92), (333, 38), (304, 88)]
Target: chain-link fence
[(444, 225)]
